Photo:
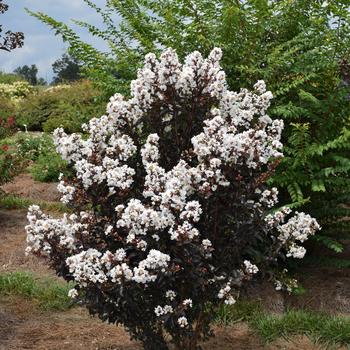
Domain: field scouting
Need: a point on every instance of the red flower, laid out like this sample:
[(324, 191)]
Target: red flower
[(11, 121), (5, 148)]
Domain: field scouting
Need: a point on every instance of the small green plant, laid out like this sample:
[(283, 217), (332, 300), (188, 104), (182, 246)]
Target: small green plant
[(49, 293)]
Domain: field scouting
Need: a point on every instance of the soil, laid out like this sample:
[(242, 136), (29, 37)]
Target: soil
[(23, 326), (23, 185), (13, 244), (326, 290)]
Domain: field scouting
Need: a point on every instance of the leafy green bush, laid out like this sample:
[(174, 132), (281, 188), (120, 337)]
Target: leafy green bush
[(10, 164), (48, 167), (67, 107), (31, 147), (300, 48), (47, 164)]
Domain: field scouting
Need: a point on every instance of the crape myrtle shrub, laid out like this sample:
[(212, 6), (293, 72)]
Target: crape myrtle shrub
[(172, 214)]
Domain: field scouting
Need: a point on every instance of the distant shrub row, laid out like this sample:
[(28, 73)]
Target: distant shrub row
[(38, 109)]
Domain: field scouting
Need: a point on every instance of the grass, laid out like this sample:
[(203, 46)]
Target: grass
[(241, 311), (15, 202), (48, 293), (318, 327)]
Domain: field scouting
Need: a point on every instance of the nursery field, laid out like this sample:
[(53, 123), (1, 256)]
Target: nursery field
[(35, 312)]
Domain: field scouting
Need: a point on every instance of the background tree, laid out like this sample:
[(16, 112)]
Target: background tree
[(9, 40), (29, 73), (67, 69), (42, 81), (296, 46)]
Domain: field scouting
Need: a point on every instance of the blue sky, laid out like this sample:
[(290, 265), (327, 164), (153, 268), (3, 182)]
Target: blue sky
[(41, 46)]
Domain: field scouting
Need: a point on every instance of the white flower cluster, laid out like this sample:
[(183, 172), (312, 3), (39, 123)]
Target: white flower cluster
[(170, 294), (73, 293), (44, 232), (87, 267), (66, 191), (16, 91), (225, 294), (162, 310), (154, 261), (269, 197), (187, 303), (297, 228), (93, 266), (182, 321), (250, 268)]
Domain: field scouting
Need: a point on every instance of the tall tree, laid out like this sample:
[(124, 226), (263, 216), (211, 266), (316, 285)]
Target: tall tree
[(28, 73), (9, 40), (67, 68)]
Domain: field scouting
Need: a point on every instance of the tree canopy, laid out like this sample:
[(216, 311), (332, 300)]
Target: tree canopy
[(67, 69), (9, 40)]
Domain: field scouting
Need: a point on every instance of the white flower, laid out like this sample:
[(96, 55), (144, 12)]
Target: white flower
[(170, 294), (224, 291), (278, 285), (73, 293), (182, 321), (250, 268), (230, 300), (206, 243), (296, 251), (160, 311), (187, 302)]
